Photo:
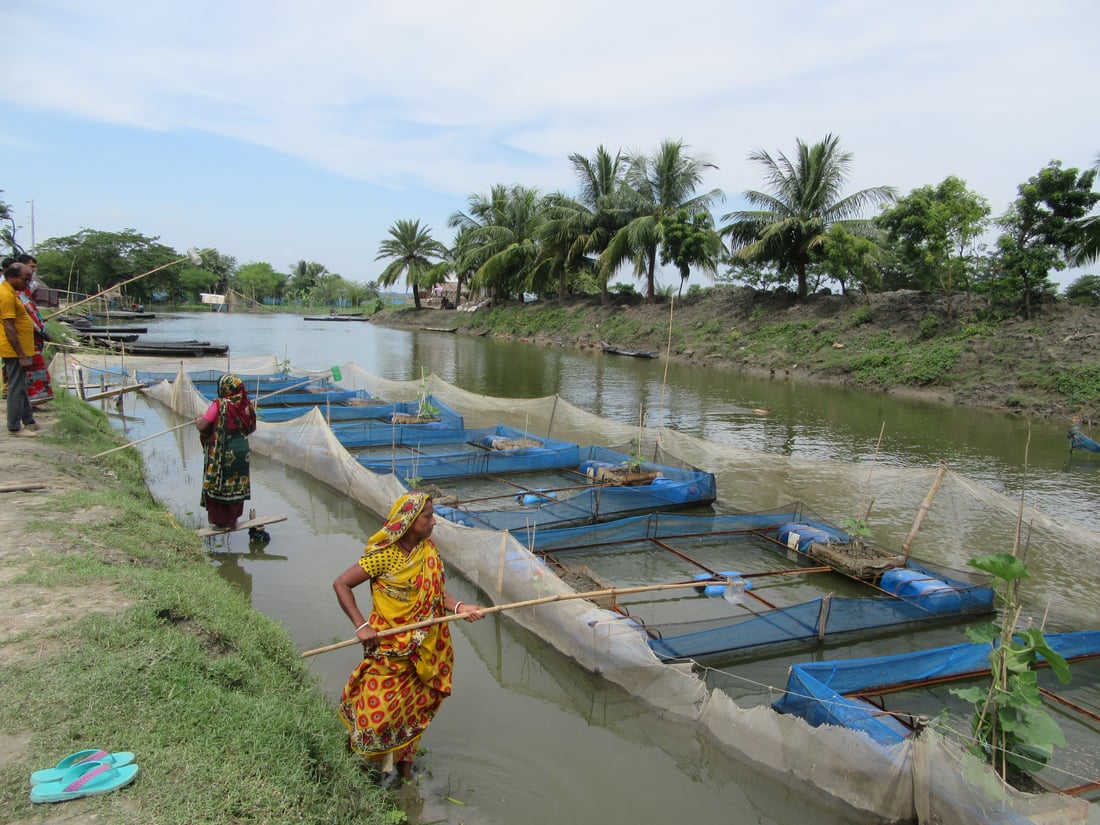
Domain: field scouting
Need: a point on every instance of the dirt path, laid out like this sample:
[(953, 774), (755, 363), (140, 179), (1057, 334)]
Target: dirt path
[(33, 617)]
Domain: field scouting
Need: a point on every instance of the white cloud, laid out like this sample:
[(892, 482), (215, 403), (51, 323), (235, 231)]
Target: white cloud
[(452, 98)]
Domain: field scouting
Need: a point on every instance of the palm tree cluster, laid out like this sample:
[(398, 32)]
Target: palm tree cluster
[(636, 211), (631, 209)]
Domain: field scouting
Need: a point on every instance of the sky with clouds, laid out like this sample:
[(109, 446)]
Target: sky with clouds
[(277, 131)]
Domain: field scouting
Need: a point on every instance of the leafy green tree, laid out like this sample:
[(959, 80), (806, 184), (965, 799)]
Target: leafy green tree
[(503, 240), (412, 252), (789, 226), (259, 281), (852, 260), (358, 294), (1085, 291), (224, 266), (92, 261), (1041, 230), (331, 289), (303, 277), (655, 189), (690, 240), (192, 280), (934, 230)]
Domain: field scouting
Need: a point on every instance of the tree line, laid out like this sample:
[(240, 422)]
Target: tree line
[(632, 211)]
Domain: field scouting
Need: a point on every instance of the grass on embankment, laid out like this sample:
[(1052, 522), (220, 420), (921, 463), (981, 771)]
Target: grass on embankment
[(226, 720)]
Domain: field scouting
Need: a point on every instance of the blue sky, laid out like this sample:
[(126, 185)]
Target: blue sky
[(277, 131)]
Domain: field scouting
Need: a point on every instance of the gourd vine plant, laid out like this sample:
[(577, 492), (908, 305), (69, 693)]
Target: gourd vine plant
[(635, 462), (424, 407), (856, 527), (1011, 730)]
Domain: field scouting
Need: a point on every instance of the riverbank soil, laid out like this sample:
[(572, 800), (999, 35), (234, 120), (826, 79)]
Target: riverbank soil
[(116, 633), (955, 350)]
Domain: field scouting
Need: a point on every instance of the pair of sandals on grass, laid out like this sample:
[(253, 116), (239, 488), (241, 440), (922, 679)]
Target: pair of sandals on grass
[(84, 773)]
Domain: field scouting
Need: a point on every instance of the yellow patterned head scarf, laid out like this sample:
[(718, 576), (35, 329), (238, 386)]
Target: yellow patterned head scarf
[(403, 513)]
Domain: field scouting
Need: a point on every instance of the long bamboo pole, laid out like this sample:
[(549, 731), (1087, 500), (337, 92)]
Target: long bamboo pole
[(192, 256), (924, 507), (561, 597), (189, 423)]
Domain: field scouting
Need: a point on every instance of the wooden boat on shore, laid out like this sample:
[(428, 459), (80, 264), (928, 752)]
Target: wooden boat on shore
[(175, 349), (610, 349), (122, 315), (106, 337), (96, 330)]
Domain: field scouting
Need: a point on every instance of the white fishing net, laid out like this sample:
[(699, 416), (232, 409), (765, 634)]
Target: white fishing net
[(926, 778)]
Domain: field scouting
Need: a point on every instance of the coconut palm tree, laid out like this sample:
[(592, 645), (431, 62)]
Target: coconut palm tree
[(412, 252), (304, 275), (1087, 250), (655, 190), (501, 238), (578, 230), (790, 224)]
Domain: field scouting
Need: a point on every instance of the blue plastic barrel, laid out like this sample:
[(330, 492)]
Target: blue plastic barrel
[(717, 589), (934, 595), (800, 536), (537, 497)]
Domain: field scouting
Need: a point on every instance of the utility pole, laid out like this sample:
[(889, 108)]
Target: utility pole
[(32, 224)]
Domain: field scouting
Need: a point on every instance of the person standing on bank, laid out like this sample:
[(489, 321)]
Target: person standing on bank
[(39, 386), (397, 689), (17, 349), (224, 431)]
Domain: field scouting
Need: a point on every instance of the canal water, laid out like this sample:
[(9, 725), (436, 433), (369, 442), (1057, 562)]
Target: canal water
[(528, 736)]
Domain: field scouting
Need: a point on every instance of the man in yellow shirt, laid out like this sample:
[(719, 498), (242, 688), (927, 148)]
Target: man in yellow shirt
[(17, 349)]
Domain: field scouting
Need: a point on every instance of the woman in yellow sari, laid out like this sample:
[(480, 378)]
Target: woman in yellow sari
[(397, 689)]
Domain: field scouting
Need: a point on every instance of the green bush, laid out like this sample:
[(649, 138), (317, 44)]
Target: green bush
[(1081, 385), (863, 315), (929, 326)]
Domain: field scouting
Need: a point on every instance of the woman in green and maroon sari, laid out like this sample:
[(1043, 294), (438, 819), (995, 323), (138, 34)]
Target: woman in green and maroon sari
[(224, 431)]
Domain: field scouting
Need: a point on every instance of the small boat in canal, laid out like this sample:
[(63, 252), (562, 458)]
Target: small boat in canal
[(175, 349), (611, 349)]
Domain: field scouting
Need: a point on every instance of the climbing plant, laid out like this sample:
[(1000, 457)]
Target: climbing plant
[(1010, 727)]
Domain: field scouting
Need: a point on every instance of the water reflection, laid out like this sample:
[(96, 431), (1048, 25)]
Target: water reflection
[(231, 569), (528, 736)]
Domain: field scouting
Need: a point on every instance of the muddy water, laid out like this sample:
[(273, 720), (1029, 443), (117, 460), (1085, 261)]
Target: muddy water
[(528, 736)]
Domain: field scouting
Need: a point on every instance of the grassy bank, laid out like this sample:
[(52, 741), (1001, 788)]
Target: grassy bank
[(951, 350), (117, 633)]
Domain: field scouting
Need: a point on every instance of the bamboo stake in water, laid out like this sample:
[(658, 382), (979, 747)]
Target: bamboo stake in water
[(924, 507), (485, 611)]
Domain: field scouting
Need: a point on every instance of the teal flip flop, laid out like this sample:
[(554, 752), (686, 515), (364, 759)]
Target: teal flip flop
[(57, 773), (85, 779)]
